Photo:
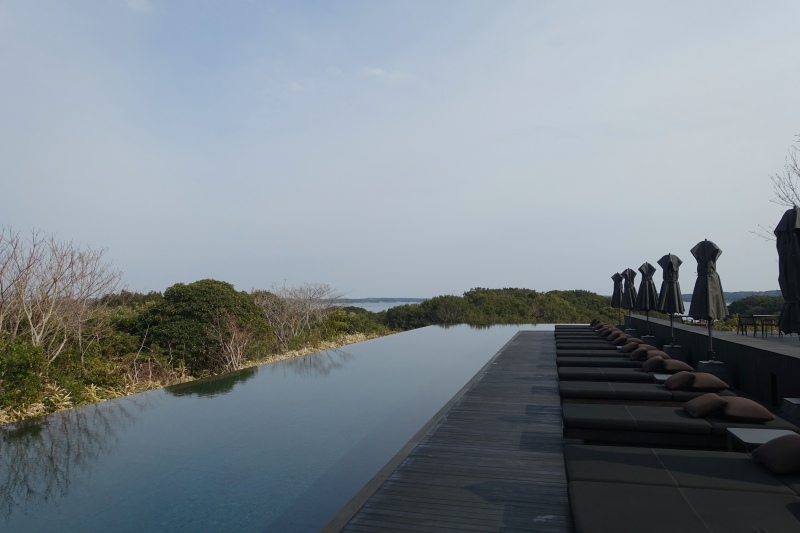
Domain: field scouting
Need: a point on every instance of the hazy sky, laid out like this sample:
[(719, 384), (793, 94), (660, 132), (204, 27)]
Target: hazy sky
[(399, 148)]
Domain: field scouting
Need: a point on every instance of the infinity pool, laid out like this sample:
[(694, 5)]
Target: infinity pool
[(280, 447)]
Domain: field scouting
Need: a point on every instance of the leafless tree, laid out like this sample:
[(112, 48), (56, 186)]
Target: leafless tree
[(293, 312), (785, 186), (233, 342), (49, 290)]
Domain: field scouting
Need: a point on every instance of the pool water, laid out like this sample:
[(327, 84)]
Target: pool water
[(281, 447)]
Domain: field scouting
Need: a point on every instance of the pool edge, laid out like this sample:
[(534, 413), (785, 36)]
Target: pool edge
[(349, 510)]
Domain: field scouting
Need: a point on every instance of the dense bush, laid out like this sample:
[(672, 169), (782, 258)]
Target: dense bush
[(192, 321)]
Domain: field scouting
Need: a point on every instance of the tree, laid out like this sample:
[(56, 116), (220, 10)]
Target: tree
[(294, 313), (207, 325), (50, 291), (785, 186)]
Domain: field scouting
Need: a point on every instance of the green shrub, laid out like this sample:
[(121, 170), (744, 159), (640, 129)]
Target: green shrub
[(187, 323), (21, 367)]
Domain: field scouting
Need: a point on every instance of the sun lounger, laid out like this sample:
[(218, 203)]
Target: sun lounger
[(601, 391), (652, 425), (608, 362), (587, 352), (586, 346), (594, 373), (663, 491)]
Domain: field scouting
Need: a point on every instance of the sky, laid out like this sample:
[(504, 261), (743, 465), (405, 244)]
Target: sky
[(399, 148)]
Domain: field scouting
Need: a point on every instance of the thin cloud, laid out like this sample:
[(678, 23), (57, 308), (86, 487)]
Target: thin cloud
[(299, 87), (142, 6), (384, 74)]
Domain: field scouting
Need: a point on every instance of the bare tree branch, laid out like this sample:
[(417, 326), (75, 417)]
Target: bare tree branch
[(50, 290)]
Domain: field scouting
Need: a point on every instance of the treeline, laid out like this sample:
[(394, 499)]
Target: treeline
[(738, 295), (69, 335), (482, 307), (756, 305)]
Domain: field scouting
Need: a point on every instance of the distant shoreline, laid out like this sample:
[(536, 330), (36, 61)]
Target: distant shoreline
[(376, 300)]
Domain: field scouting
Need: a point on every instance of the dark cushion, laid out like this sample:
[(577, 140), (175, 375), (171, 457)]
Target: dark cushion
[(656, 353), (621, 340), (673, 365), (638, 354), (653, 364), (739, 408), (703, 381), (607, 332), (781, 455), (705, 405), (614, 335), (631, 345), (679, 380)]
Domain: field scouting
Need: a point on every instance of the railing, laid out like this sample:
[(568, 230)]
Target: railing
[(766, 370)]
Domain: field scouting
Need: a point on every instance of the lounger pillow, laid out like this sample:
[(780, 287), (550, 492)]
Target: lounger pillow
[(705, 382), (673, 365), (631, 345), (745, 410), (705, 405), (614, 335), (639, 353), (669, 366), (653, 364), (621, 340), (781, 455), (656, 353), (680, 380), (607, 333)]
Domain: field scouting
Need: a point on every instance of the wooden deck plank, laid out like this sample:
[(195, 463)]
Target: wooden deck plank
[(494, 462)]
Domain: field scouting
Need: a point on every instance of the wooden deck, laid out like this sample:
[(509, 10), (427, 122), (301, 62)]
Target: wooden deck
[(493, 462)]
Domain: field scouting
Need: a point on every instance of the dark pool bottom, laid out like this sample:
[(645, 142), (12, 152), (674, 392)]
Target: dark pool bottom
[(278, 448)]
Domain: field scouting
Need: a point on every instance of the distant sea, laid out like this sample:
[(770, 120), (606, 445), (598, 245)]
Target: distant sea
[(375, 305)]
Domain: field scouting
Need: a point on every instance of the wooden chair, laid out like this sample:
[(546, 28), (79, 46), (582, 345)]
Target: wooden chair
[(744, 323)]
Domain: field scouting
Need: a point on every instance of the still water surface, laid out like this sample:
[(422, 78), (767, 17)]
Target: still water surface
[(281, 447)]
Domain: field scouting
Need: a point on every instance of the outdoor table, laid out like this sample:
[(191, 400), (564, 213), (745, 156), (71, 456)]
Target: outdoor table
[(763, 321), (751, 438)]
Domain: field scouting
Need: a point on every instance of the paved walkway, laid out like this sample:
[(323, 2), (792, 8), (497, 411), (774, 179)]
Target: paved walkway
[(494, 462)]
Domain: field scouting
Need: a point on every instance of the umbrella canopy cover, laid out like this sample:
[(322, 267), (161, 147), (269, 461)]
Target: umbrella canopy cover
[(628, 290), (647, 298), (708, 301), (787, 234), (616, 295), (670, 300)]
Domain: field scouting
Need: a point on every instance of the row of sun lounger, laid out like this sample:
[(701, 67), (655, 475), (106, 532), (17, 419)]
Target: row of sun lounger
[(651, 458)]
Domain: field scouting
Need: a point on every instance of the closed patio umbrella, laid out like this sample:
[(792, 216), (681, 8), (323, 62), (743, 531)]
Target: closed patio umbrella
[(708, 300), (628, 289), (647, 298), (788, 244), (670, 299), (616, 295)]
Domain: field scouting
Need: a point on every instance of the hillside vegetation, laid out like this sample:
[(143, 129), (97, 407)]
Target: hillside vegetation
[(482, 307), (69, 335)]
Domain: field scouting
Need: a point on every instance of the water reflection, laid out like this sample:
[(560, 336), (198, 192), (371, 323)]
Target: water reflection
[(315, 364), (214, 385), (41, 457)]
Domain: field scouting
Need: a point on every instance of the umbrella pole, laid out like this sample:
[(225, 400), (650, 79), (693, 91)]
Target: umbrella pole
[(710, 340), (671, 329), (647, 315)]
